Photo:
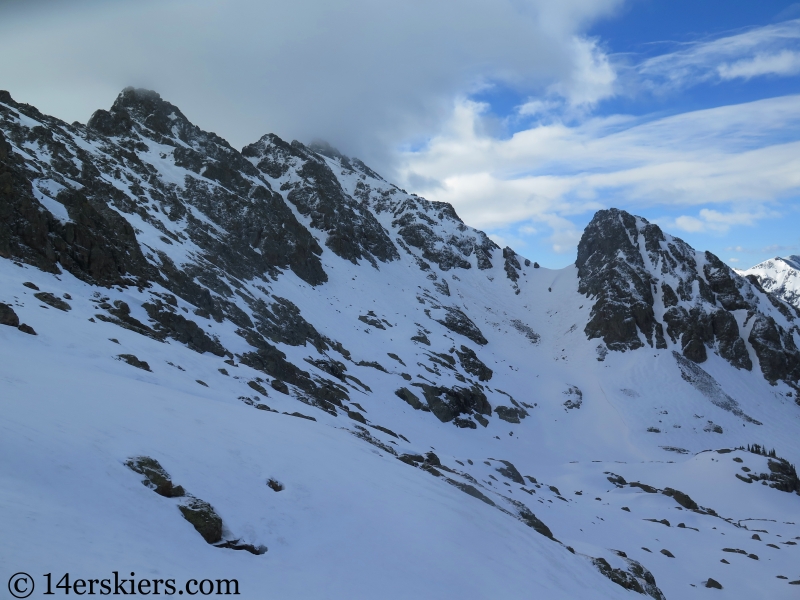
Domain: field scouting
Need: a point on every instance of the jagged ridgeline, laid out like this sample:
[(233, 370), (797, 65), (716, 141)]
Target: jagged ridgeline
[(140, 196)]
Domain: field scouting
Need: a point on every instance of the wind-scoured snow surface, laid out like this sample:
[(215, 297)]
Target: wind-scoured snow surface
[(472, 435), (779, 276)]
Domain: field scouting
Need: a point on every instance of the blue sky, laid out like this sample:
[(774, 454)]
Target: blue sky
[(693, 81), (526, 115)]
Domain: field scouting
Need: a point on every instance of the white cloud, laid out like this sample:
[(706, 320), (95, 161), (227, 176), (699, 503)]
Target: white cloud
[(539, 107), (770, 249), (725, 166), (690, 224), (364, 75), (709, 220), (783, 63), (592, 78), (768, 50)]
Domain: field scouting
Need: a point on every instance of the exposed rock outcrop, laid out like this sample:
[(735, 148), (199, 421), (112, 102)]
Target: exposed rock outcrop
[(633, 272)]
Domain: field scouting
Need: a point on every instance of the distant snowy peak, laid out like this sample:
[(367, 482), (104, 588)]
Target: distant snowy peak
[(780, 277), (650, 287)]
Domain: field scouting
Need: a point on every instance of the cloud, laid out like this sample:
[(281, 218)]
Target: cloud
[(366, 76), (783, 63), (709, 220), (770, 249), (769, 50), (565, 237), (720, 168), (591, 80)]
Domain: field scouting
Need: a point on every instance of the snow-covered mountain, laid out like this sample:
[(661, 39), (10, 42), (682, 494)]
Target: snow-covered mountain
[(779, 276), (332, 388)]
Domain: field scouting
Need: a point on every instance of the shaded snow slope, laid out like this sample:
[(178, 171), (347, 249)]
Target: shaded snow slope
[(445, 418)]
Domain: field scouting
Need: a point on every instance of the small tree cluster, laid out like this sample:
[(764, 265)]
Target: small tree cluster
[(759, 449)]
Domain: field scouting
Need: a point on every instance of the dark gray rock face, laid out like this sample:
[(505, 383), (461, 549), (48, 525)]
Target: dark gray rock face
[(473, 365), (182, 329), (611, 270), (96, 245), (253, 216), (418, 229), (409, 397), (526, 330), (203, 518), (281, 322), (725, 284), (633, 271), (532, 521), (134, 361), (262, 234), (53, 301), (681, 498), (8, 316), (471, 490), (783, 475), (372, 319), (353, 231), (776, 350), (155, 476), (457, 322), (448, 403), (416, 233), (512, 266), (237, 231), (248, 230), (713, 583), (510, 471), (636, 578), (574, 398), (511, 414), (266, 358)]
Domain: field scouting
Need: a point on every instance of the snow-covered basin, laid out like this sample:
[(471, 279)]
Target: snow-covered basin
[(350, 523)]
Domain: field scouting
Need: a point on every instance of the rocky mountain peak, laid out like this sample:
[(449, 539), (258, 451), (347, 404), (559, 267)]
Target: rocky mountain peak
[(646, 284), (136, 105), (144, 105), (612, 270), (143, 114)]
